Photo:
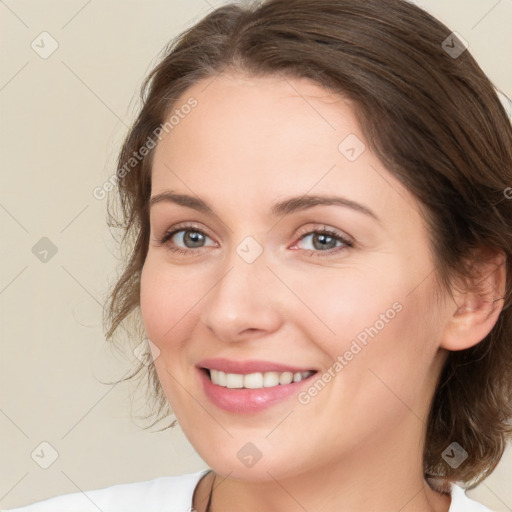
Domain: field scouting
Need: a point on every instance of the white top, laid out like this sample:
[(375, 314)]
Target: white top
[(168, 494)]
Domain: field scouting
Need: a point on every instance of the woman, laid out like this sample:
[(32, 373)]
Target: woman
[(322, 241)]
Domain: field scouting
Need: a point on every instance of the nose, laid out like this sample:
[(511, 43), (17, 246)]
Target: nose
[(243, 302)]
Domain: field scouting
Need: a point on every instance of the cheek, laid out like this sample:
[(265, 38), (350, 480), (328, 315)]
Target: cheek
[(167, 302), (350, 304), (167, 299), (392, 367), (375, 324)]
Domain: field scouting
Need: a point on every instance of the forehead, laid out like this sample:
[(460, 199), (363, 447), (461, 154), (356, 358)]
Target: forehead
[(252, 118), (265, 137)]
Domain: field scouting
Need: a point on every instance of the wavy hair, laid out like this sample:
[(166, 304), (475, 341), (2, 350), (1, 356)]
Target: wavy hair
[(433, 118)]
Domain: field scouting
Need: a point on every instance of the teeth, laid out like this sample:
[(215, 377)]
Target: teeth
[(253, 380), (256, 380), (285, 378), (221, 379), (234, 380), (270, 379)]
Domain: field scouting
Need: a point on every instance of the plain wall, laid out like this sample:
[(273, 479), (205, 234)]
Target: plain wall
[(62, 120)]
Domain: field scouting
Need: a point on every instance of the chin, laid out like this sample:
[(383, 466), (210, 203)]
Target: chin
[(241, 467)]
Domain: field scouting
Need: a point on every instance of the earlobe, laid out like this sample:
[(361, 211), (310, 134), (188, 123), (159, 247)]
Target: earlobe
[(475, 310)]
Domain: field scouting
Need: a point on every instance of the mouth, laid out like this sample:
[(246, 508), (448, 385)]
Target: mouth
[(247, 387), (255, 380)]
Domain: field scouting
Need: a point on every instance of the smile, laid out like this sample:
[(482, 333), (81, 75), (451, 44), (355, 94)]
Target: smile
[(248, 387), (256, 380)]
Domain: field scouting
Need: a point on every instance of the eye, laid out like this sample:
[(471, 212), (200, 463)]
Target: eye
[(323, 242), (319, 242), (183, 239)]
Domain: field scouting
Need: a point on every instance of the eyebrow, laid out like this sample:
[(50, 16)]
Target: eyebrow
[(286, 207)]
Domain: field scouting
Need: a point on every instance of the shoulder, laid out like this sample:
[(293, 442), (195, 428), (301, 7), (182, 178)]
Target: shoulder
[(173, 494), (462, 503)]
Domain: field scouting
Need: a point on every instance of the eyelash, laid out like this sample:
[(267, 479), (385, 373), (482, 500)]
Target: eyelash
[(194, 229)]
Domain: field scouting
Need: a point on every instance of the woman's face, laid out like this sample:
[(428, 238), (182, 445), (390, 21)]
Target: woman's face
[(294, 250)]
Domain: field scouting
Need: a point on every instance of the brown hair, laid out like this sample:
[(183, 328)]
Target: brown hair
[(435, 121)]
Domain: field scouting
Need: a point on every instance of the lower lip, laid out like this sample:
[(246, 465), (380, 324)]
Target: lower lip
[(242, 400)]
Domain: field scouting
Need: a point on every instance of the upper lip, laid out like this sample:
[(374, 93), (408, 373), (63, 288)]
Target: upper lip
[(251, 366)]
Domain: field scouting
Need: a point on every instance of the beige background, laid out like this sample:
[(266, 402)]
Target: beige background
[(62, 122)]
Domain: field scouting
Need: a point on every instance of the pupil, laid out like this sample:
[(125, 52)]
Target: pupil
[(194, 238), (324, 240)]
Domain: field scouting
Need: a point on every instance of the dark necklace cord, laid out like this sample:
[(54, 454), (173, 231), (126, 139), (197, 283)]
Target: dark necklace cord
[(209, 503)]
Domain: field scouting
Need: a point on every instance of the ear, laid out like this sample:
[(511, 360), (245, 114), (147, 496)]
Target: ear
[(477, 306)]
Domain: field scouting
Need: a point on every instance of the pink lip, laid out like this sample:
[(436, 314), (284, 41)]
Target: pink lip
[(245, 367), (246, 401)]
